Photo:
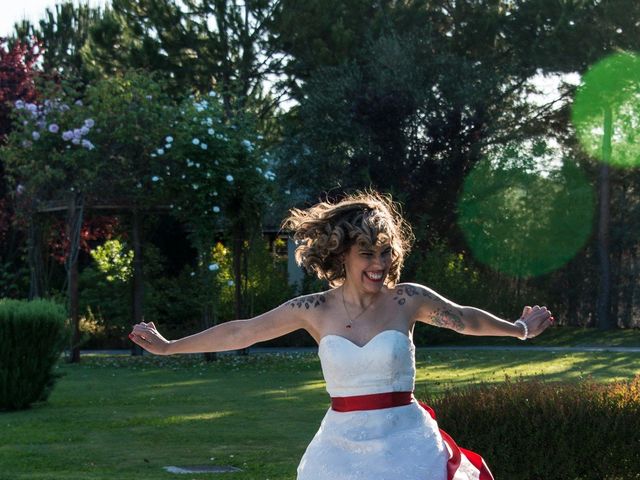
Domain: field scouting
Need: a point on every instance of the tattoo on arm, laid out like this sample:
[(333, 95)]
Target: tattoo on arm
[(442, 317), (308, 301)]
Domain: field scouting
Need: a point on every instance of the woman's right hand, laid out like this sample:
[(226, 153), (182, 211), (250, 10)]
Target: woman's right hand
[(148, 337)]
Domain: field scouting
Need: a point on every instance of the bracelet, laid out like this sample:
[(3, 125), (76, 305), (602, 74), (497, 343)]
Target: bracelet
[(526, 329)]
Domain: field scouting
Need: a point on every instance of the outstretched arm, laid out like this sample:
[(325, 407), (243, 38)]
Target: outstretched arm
[(434, 309), (233, 335)]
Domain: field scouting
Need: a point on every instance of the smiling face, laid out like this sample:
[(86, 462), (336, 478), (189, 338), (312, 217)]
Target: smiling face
[(367, 266)]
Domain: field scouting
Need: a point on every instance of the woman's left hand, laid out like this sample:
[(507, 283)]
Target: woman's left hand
[(538, 319)]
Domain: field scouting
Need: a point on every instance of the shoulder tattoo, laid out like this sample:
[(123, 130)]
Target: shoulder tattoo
[(308, 301), (409, 291)]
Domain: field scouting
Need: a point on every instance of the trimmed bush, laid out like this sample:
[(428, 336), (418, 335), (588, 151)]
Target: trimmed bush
[(32, 338), (534, 430)]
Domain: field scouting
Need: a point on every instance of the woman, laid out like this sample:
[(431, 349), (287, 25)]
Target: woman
[(375, 428)]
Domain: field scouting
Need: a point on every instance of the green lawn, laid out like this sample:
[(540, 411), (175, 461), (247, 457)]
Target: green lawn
[(126, 418), (554, 337)]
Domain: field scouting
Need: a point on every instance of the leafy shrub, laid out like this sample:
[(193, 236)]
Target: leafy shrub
[(106, 298), (105, 307), (534, 430), (32, 338)]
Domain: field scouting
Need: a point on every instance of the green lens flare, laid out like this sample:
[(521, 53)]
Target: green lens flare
[(522, 223), (606, 110)]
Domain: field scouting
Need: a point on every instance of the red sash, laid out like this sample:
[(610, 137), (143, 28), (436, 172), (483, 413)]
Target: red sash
[(463, 464)]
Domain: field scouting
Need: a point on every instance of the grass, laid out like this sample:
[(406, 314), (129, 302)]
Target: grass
[(119, 417), (553, 337)]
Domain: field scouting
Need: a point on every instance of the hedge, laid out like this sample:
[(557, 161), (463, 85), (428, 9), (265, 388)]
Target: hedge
[(32, 337), (534, 430)]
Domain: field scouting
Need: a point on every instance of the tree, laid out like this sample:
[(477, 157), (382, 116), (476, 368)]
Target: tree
[(218, 180), (607, 102), (200, 46), (50, 158), (17, 83), (434, 87), (193, 44), (62, 34)]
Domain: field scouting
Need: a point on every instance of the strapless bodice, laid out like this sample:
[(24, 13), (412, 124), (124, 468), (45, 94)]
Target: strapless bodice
[(385, 364)]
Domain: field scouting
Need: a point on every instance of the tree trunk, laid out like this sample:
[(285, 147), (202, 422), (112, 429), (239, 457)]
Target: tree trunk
[(36, 264), (208, 310), (208, 321), (138, 278), (74, 228), (628, 290), (238, 247), (604, 289)]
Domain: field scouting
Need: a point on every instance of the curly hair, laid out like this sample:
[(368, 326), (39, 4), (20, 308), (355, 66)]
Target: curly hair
[(326, 230)]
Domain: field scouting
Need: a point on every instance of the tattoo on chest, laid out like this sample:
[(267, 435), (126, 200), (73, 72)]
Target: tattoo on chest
[(308, 301)]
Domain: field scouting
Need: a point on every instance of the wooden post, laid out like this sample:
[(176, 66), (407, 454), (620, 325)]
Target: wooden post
[(34, 249), (138, 285), (74, 228)]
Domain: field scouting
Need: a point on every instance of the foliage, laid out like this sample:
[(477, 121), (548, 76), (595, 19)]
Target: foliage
[(106, 292), (51, 152), (221, 44), (522, 219), (212, 170), (32, 337), (217, 177), (134, 116), (17, 78), (266, 285), (62, 32), (610, 86), (592, 429), (175, 303), (453, 274), (94, 228), (114, 260), (382, 103), (14, 280)]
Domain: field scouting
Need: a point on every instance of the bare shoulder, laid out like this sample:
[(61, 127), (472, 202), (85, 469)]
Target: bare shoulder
[(414, 293), (427, 306), (311, 308)]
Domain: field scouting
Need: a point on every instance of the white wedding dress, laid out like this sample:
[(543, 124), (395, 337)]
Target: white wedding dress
[(397, 443)]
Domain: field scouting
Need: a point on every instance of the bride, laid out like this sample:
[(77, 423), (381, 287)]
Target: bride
[(375, 427)]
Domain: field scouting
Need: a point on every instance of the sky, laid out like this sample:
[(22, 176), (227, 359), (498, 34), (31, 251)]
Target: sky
[(12, 11)]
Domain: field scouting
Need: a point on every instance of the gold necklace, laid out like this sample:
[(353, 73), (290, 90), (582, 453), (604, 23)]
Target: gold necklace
[(346, 310)]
